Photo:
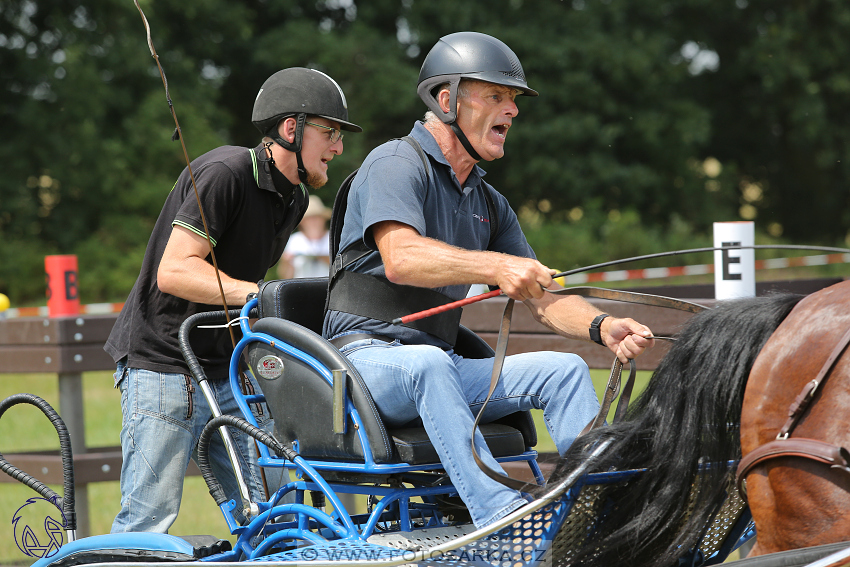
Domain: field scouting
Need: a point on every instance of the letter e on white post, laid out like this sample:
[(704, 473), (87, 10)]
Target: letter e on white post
[(735, 268)]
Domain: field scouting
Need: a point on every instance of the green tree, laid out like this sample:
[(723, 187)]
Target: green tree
[(86, 153), (779, 111), (660, 116)]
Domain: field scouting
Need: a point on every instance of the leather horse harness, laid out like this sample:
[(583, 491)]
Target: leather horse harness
[(786, 446), (614, 381)]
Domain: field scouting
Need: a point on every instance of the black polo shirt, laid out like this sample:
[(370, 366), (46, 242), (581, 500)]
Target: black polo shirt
[(250, 216)]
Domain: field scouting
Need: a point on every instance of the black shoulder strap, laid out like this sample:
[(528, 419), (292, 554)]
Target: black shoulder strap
[(338, 213), (493, 214), (422, 156)]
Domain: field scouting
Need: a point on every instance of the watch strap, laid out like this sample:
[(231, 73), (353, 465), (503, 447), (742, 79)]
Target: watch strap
[(595, 331)]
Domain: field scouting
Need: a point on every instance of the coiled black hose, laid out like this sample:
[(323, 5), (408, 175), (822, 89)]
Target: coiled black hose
[(64, 503), (212, 425), (183, 337)]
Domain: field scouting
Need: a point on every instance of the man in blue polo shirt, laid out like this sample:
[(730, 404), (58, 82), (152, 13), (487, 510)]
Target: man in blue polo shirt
[(252, 199), (423, 228)]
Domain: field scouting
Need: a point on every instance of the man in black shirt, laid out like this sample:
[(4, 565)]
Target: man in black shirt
[(252, 200)]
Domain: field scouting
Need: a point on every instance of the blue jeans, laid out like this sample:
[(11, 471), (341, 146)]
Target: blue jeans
[(162, 421), (447, 391)]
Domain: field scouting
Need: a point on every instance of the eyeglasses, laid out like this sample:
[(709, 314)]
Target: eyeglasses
[(334, 134)]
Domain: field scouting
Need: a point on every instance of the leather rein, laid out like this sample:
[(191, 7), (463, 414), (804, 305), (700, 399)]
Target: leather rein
[(614, 380), (785, 446)]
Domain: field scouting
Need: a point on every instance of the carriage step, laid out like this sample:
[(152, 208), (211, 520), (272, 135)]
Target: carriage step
[(421, 539)]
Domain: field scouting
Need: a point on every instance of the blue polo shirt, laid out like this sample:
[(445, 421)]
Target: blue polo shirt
[(392, 185)]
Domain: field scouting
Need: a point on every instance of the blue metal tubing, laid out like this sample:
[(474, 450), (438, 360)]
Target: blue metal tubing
[(244, 325), (598, 478), (391, 495), (344, 517), (303, 521), (535, 469), (302, 464), (309, 468), (386, 491), (261, 521), (404, 516), (282, 535), (403, 495), (288, 487)]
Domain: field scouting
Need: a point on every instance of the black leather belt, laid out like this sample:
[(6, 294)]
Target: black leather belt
[(343, 340)]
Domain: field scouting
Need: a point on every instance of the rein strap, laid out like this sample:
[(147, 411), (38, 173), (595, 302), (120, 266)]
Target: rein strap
[(616, 369)]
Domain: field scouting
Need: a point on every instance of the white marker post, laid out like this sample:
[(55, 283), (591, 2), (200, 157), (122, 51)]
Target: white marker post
[(734, 270)]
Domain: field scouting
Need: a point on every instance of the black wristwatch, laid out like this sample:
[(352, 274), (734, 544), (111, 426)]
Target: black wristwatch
[(595, 332)]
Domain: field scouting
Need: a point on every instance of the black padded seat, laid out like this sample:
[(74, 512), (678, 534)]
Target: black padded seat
[(414, 447), (301, 401)]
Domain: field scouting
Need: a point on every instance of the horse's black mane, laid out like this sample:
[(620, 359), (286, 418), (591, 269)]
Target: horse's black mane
[(688, 414)]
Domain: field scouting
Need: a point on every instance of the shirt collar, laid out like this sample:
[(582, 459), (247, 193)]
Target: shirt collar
[(269, 178)]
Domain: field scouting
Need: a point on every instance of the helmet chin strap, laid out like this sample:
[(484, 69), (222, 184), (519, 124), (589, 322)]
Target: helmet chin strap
[(464, 141), (295, 145), (302, 171)]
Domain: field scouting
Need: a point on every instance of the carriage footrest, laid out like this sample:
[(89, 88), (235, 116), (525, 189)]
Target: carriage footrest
[(421, 539)]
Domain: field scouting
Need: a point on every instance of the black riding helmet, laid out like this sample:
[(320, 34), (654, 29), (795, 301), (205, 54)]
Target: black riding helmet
[(299, 92), (467, 55)]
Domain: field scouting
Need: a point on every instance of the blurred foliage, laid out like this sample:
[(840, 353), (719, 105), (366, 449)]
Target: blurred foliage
[(655, 118)]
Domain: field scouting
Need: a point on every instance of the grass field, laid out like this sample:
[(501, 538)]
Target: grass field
[(24, 428)]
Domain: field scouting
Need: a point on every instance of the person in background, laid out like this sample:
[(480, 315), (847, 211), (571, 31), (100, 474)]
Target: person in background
[(306, 253)]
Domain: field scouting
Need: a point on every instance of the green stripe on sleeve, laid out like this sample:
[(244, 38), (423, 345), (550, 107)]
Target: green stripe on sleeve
[(254, 163), (195, 230)]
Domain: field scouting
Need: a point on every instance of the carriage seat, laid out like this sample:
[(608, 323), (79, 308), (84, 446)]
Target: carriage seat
[(301, 401)]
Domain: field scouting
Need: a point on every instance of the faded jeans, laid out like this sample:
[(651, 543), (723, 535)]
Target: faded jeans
[(447, 391), (162, 421)]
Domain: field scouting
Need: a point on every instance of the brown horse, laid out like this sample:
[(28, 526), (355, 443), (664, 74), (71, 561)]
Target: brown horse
[(795, 501), (684, 431)]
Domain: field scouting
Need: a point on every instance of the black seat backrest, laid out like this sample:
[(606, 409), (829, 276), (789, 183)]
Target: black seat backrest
[(300, 300), (301, 400)]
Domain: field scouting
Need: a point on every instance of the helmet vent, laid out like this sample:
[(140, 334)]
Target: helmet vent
[(516, 70)]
